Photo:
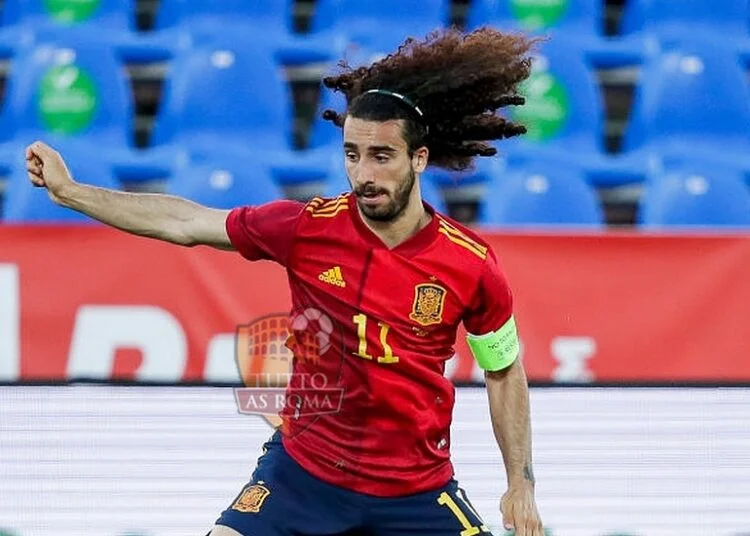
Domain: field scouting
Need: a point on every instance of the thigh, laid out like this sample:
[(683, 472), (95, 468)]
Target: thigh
[(282, 499), (219, 530), (443, 512)]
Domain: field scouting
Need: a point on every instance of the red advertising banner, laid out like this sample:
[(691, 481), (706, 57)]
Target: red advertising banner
[(95, 303)]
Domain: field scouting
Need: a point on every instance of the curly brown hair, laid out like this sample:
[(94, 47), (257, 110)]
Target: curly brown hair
[(454, 83)]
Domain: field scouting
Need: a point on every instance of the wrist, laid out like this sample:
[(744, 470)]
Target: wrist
[(522, 479), (520, 483)]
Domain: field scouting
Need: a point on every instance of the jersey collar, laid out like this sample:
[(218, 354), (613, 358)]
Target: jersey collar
[(410, 247)]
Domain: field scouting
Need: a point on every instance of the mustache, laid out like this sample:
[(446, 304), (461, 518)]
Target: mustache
[(369, 189)]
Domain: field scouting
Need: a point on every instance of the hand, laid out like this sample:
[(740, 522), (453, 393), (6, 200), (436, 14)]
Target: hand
[(47, 169), (520, 514)]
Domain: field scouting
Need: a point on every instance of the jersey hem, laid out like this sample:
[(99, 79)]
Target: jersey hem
[(413, 485)]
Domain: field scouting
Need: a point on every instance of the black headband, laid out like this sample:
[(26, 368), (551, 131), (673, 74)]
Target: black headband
[(406, 100)]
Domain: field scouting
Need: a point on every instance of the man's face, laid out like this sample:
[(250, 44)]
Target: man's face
[(379, 167)]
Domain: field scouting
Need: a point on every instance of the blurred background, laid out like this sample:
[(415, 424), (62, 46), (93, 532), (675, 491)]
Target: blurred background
[(631, 107), (621, 218)]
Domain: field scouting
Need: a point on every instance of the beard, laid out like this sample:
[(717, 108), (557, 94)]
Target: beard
[(395, 203)]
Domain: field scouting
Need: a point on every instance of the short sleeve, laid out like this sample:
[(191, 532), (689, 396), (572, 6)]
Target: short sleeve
[(264, 232), (492, 305)]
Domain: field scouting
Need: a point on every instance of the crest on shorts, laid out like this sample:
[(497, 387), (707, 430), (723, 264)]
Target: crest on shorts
[(251, 499), (429, 300)]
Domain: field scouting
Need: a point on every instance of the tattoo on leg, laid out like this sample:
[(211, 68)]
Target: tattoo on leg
[(528, 473)]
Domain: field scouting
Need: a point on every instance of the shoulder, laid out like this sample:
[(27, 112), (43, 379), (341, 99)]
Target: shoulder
[(290, 213), (264, 231), (463, 242), (279, 207), (323, 210), (278, 213)]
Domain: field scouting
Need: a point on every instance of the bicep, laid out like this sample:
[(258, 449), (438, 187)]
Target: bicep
[(492, 306), (208, 228), (490, 324), (264, 231)]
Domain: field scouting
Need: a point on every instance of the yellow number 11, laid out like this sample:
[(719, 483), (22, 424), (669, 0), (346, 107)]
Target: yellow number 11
[(469, 530), (387, 357)]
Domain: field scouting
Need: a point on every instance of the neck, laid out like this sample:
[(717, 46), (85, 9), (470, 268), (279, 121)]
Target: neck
[(413, 219)]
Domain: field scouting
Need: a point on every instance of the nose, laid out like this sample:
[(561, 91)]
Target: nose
[(362, 174)]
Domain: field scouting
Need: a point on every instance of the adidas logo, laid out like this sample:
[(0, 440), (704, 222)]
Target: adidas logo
[(333, 277)]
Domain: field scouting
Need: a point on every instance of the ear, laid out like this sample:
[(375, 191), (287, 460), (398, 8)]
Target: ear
[(419, 159)]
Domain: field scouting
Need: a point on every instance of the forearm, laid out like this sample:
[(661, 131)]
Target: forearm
[(158, 216), (508, 394)]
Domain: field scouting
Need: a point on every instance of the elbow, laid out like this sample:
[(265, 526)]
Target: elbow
[(181, 235), (186, 241), (177, 238)]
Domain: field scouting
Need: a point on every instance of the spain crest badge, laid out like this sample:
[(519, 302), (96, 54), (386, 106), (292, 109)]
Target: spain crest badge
[(251, 499), (429, 300)]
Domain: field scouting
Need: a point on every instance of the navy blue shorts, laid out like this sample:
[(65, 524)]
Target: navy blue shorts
[(283, 499)]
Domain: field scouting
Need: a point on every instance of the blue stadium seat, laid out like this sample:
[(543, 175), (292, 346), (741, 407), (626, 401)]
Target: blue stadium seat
[(650, 26), (540, 194), (68, 93), (227, 92), (564, 115), (269, 15), (110, 15), (572, 18), (24, 203), (692, 99), (226, 184), (183, 24), (696, 194), (338, 183), (666, 19), (227, 96), (106, 15), (564, 106), (572, 21), (111, 22), (381, 25)]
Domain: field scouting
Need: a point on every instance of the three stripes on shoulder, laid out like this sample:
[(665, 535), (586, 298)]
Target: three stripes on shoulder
[(319, 208), (460, 238)]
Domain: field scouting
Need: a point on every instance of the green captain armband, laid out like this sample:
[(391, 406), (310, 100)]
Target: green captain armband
[(496, 350)]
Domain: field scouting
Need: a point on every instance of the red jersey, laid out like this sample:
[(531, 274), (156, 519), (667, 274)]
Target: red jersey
[(391, 318)]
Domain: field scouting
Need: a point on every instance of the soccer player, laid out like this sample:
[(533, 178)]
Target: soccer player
[(394, 279)]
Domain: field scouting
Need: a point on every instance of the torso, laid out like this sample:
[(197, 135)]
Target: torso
[(389, 324)]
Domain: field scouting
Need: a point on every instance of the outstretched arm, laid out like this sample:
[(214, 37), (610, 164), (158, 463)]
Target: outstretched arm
[(164, 217)]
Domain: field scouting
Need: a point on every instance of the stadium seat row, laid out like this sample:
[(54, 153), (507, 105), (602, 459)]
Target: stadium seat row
[(692, 193), (229, 96), (225, 96), (691, 98), (378, 25)]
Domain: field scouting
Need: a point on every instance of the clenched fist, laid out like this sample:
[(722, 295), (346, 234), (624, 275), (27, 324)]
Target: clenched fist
[(47, 169), (520, 513)]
